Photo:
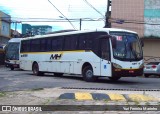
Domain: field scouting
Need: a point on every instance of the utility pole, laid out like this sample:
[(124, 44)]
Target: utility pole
[(80, 24), (108, 15), (15, 31)]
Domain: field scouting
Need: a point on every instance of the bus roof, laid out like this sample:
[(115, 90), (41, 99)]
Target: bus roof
[(15, 39), (115, 29), (107, 30)]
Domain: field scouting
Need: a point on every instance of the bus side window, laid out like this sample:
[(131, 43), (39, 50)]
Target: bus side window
[(32, 46), (22, 46), (49, 44), (96, 42), (54, 44), (81, 42), (43, 45), (89, 42), (35, 45), (105, 53), (25, 46), (60, 44), (85, 42), (95, 47), (70, 42), (28, 46), (57, 44)]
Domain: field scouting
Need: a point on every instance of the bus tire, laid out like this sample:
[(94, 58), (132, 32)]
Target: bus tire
[(87, 73), (58, 74), (146, 75), (12, 68), (114, 78), (36, 71)]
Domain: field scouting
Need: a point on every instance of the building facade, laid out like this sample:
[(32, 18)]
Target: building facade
[(28, 29), (5, 21), (142, 16), (152, 16)]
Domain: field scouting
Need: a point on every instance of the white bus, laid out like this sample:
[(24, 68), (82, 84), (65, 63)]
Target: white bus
[(108, 52), (12, 53)]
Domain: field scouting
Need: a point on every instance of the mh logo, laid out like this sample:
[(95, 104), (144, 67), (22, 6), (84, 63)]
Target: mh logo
[(55, 56)]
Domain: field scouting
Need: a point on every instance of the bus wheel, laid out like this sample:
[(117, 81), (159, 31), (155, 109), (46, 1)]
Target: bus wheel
[(146, 75), (35, 70), (114, 78), (12, 68), (58, 74), (88, 74)]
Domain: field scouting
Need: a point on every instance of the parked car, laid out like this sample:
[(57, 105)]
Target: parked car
[(152, 68)]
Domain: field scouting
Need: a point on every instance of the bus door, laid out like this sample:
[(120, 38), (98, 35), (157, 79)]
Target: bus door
[(105, 57)]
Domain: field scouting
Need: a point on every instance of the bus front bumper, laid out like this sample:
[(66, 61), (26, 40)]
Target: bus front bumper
[(127, 72), (10, 65)]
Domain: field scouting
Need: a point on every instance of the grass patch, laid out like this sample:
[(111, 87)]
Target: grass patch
[(136, 102), (147, 103), (2, 94), (37, 89), (47, 102)]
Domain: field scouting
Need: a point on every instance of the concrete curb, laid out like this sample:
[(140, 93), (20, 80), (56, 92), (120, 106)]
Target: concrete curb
[(108, 97)]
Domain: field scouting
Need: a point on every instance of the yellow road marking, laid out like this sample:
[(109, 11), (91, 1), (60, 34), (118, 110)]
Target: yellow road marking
[(83, 96), (140, 97), (116, 97)]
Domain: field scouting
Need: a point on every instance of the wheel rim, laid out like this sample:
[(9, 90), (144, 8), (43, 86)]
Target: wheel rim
[(89, 73)]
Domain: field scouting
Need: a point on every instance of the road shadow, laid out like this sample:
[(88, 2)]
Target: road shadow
[(99, 80)]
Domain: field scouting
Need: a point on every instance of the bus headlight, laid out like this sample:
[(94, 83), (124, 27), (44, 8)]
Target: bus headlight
[(142, 65), (117, 66)]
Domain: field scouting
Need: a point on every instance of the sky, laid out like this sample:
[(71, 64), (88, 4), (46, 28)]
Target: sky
[(42, 10)]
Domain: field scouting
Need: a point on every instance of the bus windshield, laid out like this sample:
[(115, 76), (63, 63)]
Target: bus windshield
[(127, 47), (12, 51)]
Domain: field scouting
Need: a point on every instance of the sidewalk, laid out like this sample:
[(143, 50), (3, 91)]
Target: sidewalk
[(82, 99)]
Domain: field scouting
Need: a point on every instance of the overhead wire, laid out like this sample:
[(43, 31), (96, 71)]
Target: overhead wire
[(112, 20), (61, 14), (94, 8)]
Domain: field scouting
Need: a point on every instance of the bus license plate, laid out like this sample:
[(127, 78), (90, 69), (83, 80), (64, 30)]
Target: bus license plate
[(131, 71), (15, 65)]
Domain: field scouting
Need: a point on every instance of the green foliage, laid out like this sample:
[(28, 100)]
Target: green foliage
[(37, 89), (2, 94)]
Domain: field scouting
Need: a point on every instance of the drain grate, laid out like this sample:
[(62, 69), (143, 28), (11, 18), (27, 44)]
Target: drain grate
[(117, 89)]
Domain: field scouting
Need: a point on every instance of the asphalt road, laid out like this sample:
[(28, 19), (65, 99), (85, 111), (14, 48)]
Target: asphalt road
[(24, 80)]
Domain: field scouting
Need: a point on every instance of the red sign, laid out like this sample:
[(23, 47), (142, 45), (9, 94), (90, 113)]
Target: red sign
[(119, 38)]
